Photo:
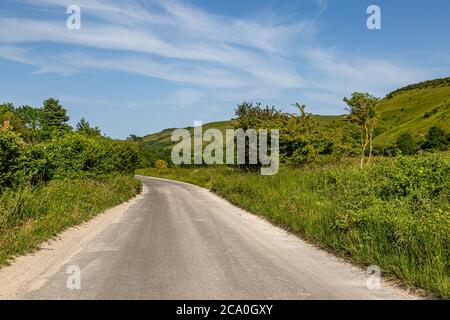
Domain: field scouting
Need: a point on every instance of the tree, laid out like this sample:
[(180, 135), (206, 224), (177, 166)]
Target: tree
[(54, 117), (406, 144), (435, 139), (9, 117), (135, 138), (6, 107), (10, 154), (31, 118), (361, 108), (84, 127)]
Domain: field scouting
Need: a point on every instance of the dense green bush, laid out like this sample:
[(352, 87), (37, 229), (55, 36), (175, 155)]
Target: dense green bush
[(436, 139), (10, 157), (406, 144), (76, 155), (303, 139), (73, 155)]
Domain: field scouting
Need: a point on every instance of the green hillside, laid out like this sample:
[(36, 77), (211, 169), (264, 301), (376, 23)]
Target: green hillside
[(161, 140), (413, 109)]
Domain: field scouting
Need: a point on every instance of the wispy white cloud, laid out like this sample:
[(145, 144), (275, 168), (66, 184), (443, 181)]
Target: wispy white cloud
[(337, 73), (170, 30), (186, 97), (173, 41)]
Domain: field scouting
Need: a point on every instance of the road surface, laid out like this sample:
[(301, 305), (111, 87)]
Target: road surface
[(179, 241)]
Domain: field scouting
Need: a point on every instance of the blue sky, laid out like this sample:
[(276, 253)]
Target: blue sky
[(140, 66)]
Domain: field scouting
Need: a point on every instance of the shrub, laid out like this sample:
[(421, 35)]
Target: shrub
[(436, 139), (73, 155), (10, 157), (406, 144), (160, 164), (76, 155)]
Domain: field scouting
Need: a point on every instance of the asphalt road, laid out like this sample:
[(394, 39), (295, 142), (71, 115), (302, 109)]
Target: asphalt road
[(179, 241)]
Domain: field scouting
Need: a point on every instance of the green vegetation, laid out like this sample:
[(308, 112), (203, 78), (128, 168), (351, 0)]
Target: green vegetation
[(30, 215), (435, 83), (413, 111), (361, 108), (394, 213), (406, 144), (436, 139), (52, 177), (158, 146)]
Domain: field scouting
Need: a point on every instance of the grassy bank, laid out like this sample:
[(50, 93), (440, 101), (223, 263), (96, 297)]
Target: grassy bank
[(395, 214), (31, 215)]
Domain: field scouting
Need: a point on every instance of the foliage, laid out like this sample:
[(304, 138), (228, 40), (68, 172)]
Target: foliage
[(6, 107), (303, 139), (361, 109), (406, 144), (10, 157), (9, 117), (30, 215), (31, 118), (85, 128), (160, 164), (436, 139), (54, 118), (412, 111), (395, 214), (435, 83), (52, 177)]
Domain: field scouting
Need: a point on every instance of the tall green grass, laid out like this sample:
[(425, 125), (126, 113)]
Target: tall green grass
[(395, 214), (30, 215)]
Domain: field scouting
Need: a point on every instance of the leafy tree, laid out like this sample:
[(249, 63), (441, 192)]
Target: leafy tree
[(31, 118), (302, 138), (361, 109), (435, 139), (84, 127), (6, 107), (10, 154), (9, 118), (135, 138), (256, 116), (54, 118), (405, 143)]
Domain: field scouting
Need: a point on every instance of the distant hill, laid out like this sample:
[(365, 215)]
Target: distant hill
[(413, 109), (161, 140)]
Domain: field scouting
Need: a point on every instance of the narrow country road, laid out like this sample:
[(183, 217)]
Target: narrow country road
[(179, 241)]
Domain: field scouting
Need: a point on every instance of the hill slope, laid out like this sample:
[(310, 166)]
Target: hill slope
[(413, 109), (161, 140)]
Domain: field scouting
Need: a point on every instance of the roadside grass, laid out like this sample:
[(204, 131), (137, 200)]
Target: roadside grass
[(30, 215), (394, 214)]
